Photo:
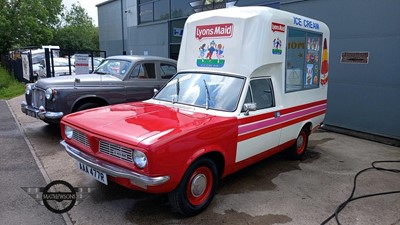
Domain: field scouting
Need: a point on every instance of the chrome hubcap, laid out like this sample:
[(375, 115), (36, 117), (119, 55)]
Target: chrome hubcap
[(300, 141), (199, 185)]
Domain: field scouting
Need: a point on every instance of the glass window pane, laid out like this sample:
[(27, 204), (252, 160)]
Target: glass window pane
[(262, 93), (161, 10), (136, 71), (146, 13), (203, 90), (181, 8), (303, 59), (313, 59), (296, 43), (144, 1), (177, 31), (149, 70), (167, 71)]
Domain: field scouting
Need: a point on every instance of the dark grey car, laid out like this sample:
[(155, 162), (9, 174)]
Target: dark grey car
[(117, 79)]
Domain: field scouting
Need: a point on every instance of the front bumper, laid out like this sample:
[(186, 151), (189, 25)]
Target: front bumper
[(40, 113), (114, 170)]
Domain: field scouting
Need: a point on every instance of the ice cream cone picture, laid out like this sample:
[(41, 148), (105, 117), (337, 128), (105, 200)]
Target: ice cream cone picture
[(325, 65)]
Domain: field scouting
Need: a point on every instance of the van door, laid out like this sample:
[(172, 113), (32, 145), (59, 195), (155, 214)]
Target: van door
[(259, 131)]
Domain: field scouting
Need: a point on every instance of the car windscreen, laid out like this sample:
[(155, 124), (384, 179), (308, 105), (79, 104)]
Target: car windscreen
[(115, 67), (210, 91)]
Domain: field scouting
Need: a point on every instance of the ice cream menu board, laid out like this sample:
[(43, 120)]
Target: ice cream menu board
[(303, 59), (313, 59)]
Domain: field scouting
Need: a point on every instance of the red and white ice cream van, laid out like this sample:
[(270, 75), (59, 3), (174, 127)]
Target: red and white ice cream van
[(251, 82)]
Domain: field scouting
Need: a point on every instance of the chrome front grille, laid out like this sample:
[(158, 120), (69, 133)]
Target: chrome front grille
[(80, 137), (117, 151), (38, 98)]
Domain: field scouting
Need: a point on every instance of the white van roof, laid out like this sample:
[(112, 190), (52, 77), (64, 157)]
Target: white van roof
[(243, 34)]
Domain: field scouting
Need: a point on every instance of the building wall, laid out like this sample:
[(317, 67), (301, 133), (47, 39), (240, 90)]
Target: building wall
[(361, 97), (110, 28), (151, 39)]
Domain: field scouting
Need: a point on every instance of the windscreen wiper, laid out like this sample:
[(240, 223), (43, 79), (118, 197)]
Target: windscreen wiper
[(178, 88), (207, 94)]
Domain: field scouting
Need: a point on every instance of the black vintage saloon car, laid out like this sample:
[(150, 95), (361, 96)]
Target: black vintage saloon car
[(117, 79)]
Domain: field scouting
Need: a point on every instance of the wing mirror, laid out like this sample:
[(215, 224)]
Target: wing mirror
[(247, 107)]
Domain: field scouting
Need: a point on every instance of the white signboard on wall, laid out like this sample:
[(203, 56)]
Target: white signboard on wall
[(25, 66), (81, 63)]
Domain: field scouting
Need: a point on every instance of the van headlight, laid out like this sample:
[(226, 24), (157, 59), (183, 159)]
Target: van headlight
[(49, 93), (140, 159), (68, 131)]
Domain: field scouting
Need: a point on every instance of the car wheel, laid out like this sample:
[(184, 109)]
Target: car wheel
[(197, 188), (298, 149), (88, 105)]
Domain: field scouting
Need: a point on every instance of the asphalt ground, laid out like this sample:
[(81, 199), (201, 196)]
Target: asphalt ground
[(18, 169), (273, 191)]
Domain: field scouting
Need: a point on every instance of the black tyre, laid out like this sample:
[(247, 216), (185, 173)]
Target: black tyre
[(298, 149), (88, 105), (197, 188)]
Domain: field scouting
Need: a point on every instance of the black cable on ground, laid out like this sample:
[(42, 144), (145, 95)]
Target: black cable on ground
[(351, 198)]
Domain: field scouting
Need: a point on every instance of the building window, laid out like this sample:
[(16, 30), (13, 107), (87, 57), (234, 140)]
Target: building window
[(146, 12), (181, 8), (303, 64), (153, 10), (161, 10)]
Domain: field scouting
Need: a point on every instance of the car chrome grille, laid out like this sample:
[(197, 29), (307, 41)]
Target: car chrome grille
[(38, 98), (117, 151), (80, 137)]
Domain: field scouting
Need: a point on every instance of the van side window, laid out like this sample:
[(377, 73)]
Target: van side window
[(167, 71), (261, 93)]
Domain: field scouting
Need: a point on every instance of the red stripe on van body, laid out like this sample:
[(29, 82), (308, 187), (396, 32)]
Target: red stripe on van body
[(288, 117)]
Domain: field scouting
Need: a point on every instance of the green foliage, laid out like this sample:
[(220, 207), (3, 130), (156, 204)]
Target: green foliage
[(76, 31), (9, 86), (42, 22), (27, 22)]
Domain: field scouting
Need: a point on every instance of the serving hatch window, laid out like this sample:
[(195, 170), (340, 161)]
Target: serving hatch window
[(303, 60)]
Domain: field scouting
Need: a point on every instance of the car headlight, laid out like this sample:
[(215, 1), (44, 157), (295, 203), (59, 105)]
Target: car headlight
[(140, 159), (49, 93), (28, 89), (68, 131)]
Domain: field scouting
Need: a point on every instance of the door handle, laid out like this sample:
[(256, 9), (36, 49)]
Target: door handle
[(277, 114)]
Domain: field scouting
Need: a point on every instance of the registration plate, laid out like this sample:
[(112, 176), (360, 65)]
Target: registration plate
[(31, 113), (96, 174)]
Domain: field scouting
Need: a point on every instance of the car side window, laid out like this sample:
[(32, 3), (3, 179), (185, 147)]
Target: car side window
[(167, 71), (144, 71), (261, 93), (138, 70)]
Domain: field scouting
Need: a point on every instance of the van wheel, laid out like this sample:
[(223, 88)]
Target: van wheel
[(88, 105), (298, 149), (197, 188)]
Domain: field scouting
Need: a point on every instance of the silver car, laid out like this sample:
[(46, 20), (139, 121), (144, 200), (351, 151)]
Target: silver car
[(117, 79)]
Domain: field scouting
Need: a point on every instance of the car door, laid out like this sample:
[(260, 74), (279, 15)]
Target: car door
[(259, 130), (141, 82)]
